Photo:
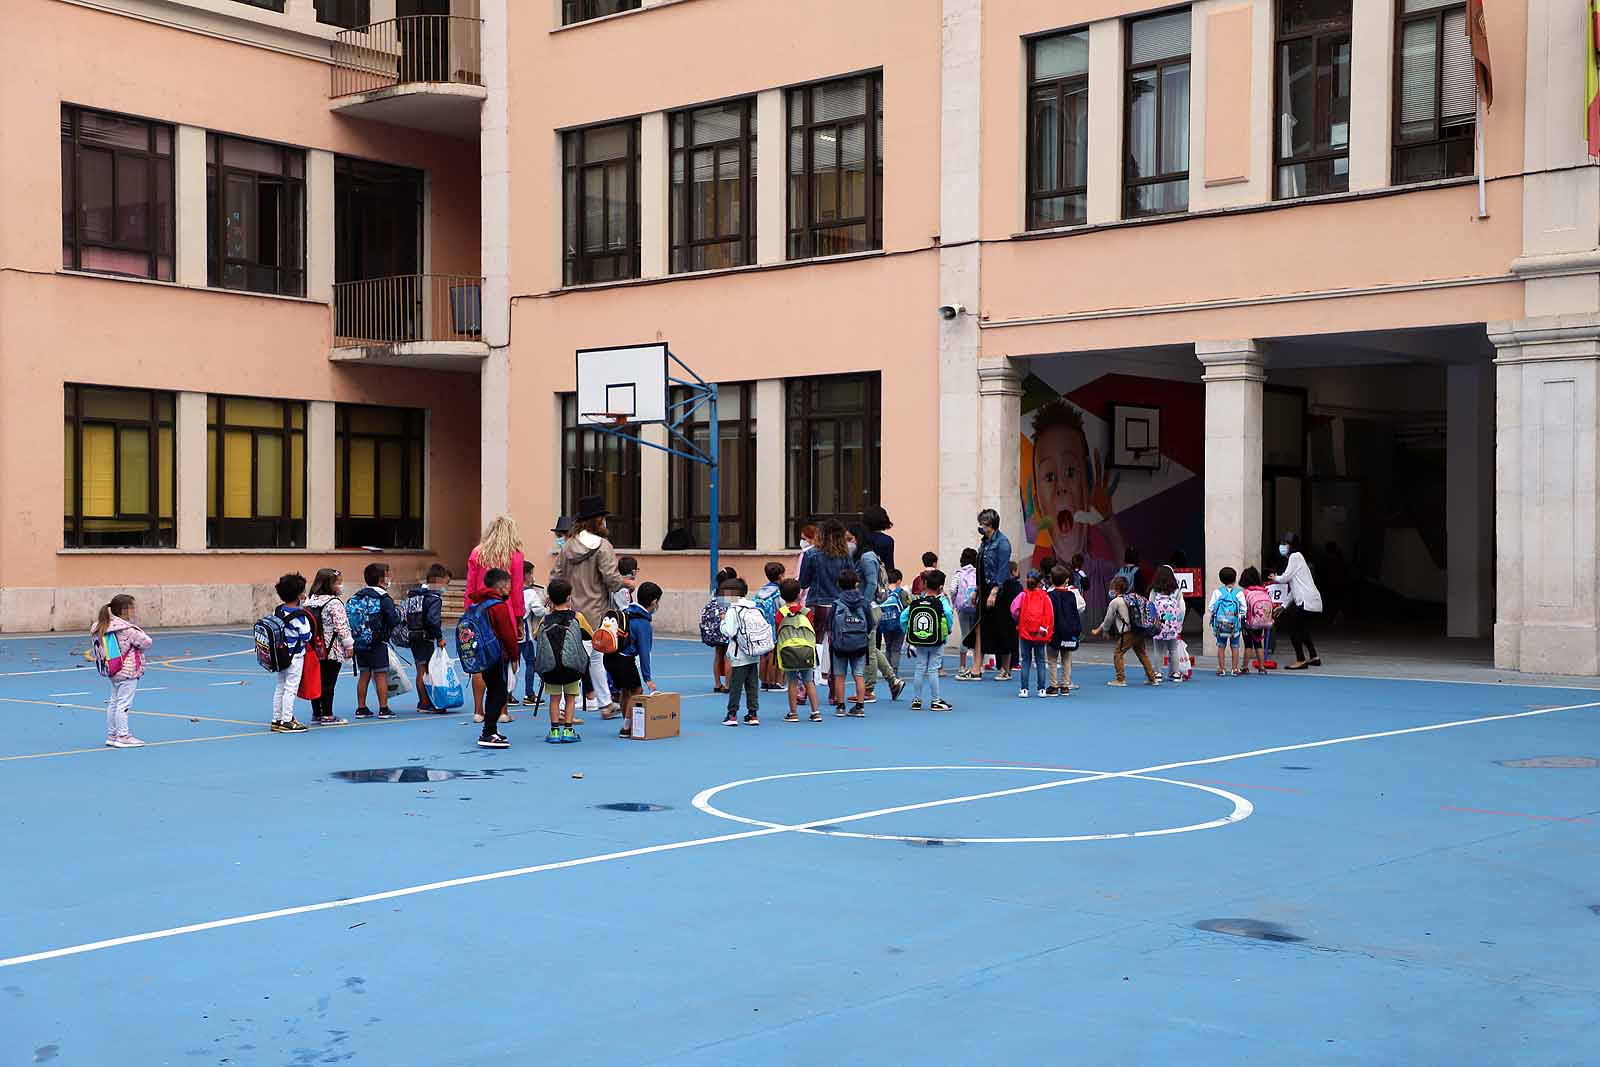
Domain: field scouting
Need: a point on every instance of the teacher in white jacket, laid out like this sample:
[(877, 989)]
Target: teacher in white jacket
[(1304, 601)]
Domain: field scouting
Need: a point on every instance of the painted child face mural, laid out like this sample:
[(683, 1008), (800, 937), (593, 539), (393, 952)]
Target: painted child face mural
[(1071, 491)]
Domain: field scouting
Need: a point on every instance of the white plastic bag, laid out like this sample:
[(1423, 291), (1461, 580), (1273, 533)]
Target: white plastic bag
[(399, 680), (444, 681), (1182, 664)]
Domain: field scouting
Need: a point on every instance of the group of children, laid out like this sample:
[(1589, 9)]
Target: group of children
[(1240, 612)]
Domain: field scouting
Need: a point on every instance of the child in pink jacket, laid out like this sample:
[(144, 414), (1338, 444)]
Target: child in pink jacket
[(119, 648)]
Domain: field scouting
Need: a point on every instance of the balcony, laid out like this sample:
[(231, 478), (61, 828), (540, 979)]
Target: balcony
[(422, 72), (425, 321)]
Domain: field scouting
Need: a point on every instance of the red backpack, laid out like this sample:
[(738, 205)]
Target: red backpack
[(1036, 618)]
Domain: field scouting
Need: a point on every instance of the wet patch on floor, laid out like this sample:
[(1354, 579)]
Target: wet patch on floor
[(935, 842), (634, 806), (1255, 929), (1565, 763), (418, 775)]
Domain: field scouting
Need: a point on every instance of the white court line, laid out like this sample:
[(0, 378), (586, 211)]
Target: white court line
[(74, 693), (52, 670), (475, 879)]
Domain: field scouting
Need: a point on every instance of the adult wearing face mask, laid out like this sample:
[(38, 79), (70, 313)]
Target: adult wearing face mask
[(561, 529), (1304, 601), (588, 561), (994, 567)]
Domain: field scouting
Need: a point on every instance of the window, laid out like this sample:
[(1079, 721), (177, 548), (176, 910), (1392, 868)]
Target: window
[(256, 216), (601, 189), (714, 186), (119, 468), (1313, 129), (349, 14), (598, 464), (584, 10), (1156, 178), (268, 5), (255, 473), (833, 440), (116, 194), (835, 195), (1436, 107), (378, 476), (690, 482), (1058, 130)]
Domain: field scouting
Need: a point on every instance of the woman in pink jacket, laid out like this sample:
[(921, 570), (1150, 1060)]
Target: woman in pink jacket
[(118, 647), (500, 548)]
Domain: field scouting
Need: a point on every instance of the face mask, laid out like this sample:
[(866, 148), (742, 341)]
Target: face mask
[(561, 542), (1283, 550)]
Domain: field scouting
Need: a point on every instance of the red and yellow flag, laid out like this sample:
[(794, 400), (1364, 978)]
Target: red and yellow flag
[(1591, 115), (1478, 38)]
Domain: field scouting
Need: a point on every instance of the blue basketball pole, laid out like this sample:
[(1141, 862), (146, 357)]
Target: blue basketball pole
[(716, 499)]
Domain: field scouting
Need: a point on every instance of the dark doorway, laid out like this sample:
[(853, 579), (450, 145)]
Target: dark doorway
[(424, 40), (377, 234)]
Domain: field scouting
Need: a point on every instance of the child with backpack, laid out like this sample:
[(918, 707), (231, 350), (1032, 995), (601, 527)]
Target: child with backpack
[(711, 629), (628, 570), (849, 632), (1225, 612), (281, 642), (769, 599), (1259, 614), (485, 637), (561, 660), (338, 647), (1126, 621), (424, 615), (1067, 604), (1035, 617), (965, 602), (890, 632), (118, 647), (796, 651), (919, 584), (749, 638), (535, 606), (372, 615), (926, 622), (630, 667), (1167, 603)]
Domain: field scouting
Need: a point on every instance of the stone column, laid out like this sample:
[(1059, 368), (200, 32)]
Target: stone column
[(1547, 484), (193, 460), (1234, 376), (320, 237), (772, 179), (1469, 499), (654, 502), (772, 502), (999, 452), (321, 478), (1106, 81), (191, 192), (1371, 82), (494, 383), (653, 195)]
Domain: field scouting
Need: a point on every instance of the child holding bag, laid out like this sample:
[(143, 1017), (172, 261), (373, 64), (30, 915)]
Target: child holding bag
[(118, 651)]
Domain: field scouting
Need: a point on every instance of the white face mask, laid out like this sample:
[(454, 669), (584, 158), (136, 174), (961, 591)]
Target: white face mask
[(1283, 550)]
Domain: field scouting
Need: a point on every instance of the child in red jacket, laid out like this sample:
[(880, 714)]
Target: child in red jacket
[(1036, 622), (503, 619)]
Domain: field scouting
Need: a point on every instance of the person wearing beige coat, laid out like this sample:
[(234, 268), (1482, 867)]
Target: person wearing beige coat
[(588, 561)]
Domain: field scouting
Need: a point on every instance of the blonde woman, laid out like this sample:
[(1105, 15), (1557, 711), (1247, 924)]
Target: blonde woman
[(501, 548)]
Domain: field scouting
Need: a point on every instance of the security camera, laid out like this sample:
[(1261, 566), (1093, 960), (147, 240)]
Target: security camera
[(950, 311)]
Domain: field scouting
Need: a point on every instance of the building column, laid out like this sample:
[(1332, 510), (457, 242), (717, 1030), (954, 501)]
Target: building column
[(191, 203), (654, 156), (193, 460), (321, 478), (999, 452), (1106, 82), (772, 179), (654, 500), (1234, 376), (772, 503), (494, 382), (320, 231), (1469, 499), (1371, 93), (1547, 484)]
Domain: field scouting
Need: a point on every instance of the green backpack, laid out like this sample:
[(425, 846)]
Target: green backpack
[(926, 625)]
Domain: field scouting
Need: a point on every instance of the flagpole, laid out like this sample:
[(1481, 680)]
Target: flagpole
[(1483, 203)]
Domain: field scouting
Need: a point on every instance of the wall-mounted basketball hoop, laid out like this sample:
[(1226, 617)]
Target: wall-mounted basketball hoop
[(621, 389)]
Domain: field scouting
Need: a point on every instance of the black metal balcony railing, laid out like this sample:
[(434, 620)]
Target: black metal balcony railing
[(407, 308), (414, 48)]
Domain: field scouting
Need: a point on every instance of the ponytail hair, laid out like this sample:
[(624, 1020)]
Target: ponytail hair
[(118, 605)]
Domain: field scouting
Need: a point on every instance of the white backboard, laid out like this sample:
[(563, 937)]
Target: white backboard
[(628, 380)]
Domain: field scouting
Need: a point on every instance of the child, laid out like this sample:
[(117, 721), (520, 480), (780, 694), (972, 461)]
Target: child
[(1067, 604), (372, 615), (796, 651), (628, 568), (930, 562), (338, 647), (1226, 615), (926, 622), (849, 629), (563, 683), (1005, 650), (966, 605), (1260, 612), (743, 663), (1118, 623), (496, 593), (889, 629), (291, 589), (769, 600), (535, 606), (119, 655), (1170, 611), (711, 617), (633, 677), (1035, 617), (425, 621)]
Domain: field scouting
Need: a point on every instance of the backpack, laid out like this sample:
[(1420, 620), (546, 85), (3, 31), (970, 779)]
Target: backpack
[(477, 645), (796, 641), (612, 634), (881, 586), (1259, 610), (754, 637), (1169, 612), (567, 665), (1069, 624), (966, 590), (926, 626), (1227, 614), (108, 655), (891, 605), (1031, 624), (1141, 615), (769, 601), (711, 622), (366, 617), (272, 643), (848, 628)]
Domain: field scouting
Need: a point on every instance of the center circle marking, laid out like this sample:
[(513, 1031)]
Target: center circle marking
[(1242, 808)]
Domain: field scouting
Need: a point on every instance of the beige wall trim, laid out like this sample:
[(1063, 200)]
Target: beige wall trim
[(321, 478), (1105, 121), (772, 504), (228, 20), (655, 504), (1558, 337), (654, 221), (772, 172), (320, 227), (192, 456), (1371, 101), (1557, 265), (191, 209)]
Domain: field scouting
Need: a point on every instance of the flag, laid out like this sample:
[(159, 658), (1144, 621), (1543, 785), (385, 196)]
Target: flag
[(1591, 118), (1478, 35)]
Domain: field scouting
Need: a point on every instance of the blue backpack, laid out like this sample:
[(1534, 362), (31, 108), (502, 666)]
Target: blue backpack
[(891, 606), (769, 601), (1141, 614), (477, 646), (1227, 614), (848, 628), (366, 615)]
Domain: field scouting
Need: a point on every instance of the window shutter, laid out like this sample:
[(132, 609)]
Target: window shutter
[(1157, 38), (1459, 88), (1417, 65)]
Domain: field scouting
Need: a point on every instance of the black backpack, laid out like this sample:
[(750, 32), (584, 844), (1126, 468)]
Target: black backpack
[(1069, 626)]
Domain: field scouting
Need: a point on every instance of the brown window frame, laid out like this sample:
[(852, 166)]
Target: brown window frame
[(1064, 87), (282, 531), (289, 279), (1129, 181), (404, 531), (577, 263), (1463, 134), (683, 246), (615, 457), (576, 11), (1327, 32), (158, 247), (688, 480), (154, 535), (803, 226), (801, 417)]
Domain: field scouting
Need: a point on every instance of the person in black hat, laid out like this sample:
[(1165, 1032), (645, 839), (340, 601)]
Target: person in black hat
[(588, 561), (561, 529)]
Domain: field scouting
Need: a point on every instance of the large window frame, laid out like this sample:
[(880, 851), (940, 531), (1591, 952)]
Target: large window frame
[(346, 14), (689, 483), (616, 256), (245, 255), (1452, 143), (808, 413), (393, 518), (702, 236), (119, 249), (1320, 162), (816, 228), (574, 11), (258, 528), (603, 465), (150, 413), (1133, 184), (1062, 101)]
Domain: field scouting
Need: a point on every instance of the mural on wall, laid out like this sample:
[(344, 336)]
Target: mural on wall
[(1075, 500)]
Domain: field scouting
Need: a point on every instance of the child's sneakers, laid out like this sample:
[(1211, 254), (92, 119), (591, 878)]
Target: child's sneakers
[(731, 719), (569, 736), (751, 719), (793, 716), (838, 711), (554, 736), (292, 726), (941, 705), (1117, 683), (493, 741), (1022, 692), (366, 713), (816, 716), (857, 711), (124, 741), (896, 687), (384, 713), (916, 705)]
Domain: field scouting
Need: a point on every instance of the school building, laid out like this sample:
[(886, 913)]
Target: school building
[(1175, 278)]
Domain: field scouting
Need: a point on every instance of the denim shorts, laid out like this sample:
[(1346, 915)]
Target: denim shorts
[(375, 658), (1231, 641), (845, 666), (799, 678)]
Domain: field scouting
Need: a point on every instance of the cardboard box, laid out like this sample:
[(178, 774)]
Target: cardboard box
[(654, 716)]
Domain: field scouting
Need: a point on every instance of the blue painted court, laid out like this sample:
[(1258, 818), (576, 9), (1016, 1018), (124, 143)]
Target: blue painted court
[(1289, 869)]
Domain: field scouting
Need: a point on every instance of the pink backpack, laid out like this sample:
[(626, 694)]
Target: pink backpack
[(1259, 609)]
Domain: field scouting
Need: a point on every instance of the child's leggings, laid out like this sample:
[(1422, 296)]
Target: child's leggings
[(1167, 650), (117, 707)]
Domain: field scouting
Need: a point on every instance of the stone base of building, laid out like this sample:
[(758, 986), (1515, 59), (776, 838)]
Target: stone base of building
[(73, 609)]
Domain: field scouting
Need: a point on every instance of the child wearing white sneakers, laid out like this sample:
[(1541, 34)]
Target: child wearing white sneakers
[(118, 648)]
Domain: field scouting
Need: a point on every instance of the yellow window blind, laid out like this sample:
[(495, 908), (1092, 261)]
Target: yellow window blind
[(236, 475), (363, 501), (297, 477), (391, 471), (269, 477), (99, 471), (135, 487), (70, 471)]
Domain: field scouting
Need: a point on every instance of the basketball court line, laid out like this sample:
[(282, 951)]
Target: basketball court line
[(131, 711), (674, 846)]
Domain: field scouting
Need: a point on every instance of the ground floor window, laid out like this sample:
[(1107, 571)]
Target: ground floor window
[(691, 482), (378, 464), (833, 444), (255, 473), (598, 464), (119, 468)]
